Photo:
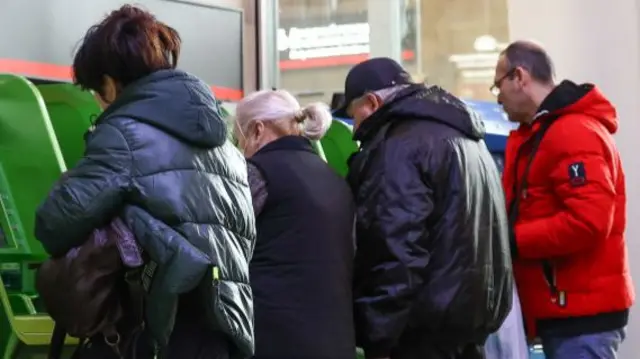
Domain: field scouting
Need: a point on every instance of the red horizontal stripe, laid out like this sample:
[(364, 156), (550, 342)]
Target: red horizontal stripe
[(36, 69), (227, 94), (64, 73), (332, 61)]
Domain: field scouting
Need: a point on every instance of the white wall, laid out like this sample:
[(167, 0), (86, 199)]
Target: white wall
[(598, 41)]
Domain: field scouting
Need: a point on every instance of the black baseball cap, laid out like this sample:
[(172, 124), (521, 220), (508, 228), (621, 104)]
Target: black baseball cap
[(371, 75)]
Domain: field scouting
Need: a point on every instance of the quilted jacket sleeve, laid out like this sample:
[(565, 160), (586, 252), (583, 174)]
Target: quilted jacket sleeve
[(89, 195)]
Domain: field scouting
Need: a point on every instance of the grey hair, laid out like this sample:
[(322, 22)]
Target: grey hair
[(281, 106), (388, 93)]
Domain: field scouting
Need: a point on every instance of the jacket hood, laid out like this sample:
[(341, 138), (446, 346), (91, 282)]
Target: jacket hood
[(585, 99), (176, 102), (418, 102)]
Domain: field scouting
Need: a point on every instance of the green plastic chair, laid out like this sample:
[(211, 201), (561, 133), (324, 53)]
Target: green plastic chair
[(338, 145), (30, 162)]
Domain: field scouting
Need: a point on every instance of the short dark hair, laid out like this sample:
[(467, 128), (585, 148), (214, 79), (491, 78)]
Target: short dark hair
[(532, 58), (130, 43)]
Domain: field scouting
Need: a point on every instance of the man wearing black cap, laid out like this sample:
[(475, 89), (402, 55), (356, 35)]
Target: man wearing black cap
[(433, 272)]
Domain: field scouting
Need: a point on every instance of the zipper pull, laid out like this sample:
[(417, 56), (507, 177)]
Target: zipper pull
[(562, 299)]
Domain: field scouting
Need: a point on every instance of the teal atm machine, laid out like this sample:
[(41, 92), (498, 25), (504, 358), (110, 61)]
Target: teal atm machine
[(498, 127)]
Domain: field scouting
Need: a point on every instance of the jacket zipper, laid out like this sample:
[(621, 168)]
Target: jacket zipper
[(558, 297)]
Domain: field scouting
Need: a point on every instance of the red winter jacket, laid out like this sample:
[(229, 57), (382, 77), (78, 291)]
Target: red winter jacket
[(572, 216)]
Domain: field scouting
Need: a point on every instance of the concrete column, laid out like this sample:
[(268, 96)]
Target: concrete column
[(598, 41), (385, 28), (269, 73)]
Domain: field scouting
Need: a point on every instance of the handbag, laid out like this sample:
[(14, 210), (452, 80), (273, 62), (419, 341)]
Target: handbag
[(93, 288)]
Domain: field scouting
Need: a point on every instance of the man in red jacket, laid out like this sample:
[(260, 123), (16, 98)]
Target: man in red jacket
[(565, 192)]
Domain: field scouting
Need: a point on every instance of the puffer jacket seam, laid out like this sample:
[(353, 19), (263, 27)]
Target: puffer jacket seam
[(234, 180), (224, 226), (124, 137), (238, 282), (132, 157)]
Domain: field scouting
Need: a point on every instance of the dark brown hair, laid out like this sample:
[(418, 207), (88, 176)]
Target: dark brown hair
[(128, 44)]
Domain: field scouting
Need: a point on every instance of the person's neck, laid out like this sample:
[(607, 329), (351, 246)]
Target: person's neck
[(357, 124), (538, 95), (268, 137)]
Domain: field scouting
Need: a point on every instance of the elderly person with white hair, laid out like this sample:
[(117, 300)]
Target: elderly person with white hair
[(301, 271)]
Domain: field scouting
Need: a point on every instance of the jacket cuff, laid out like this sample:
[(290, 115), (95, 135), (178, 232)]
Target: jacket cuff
[(378, 350)]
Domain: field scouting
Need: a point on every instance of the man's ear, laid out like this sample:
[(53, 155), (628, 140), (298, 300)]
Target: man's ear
[(374, 100), (522, 76)]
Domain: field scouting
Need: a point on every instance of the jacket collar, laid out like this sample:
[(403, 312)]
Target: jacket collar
[(290, 143)]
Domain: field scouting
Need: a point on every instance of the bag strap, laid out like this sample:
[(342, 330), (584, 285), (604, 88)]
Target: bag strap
[(133, 278), (57, 343), (126, 346), (521, 189)]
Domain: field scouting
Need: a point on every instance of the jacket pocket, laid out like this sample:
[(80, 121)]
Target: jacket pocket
[(229, 309), (550, 273), (210, 289)]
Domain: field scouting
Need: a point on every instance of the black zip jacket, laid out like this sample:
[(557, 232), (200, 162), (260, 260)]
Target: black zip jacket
[(433, 249)]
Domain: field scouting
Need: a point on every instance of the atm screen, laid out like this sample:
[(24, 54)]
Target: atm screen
[(499, 158)]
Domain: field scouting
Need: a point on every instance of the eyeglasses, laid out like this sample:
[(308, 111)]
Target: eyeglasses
[(495, 88)]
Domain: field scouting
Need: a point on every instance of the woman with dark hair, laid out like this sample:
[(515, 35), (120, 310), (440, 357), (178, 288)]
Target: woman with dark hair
[(158, 157)]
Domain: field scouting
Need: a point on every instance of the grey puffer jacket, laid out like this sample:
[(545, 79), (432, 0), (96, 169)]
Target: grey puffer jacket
[(159, 157)]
